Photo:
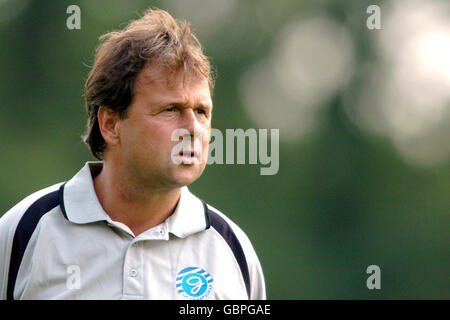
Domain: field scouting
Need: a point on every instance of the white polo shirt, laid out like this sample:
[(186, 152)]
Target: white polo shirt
[(59, 243)]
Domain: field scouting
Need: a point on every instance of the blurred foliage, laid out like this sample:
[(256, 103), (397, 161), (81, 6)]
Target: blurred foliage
[(341, 201)]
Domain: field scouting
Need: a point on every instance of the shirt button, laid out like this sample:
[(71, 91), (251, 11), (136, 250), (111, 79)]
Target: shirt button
[(133, 273)]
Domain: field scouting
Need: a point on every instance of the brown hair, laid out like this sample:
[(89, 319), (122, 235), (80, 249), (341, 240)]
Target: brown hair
[(155, 37)]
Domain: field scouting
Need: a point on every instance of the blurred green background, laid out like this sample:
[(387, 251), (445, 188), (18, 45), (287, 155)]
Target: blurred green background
[(364, 123)]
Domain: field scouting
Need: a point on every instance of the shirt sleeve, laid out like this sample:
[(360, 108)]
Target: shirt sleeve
[(257, 282), (8, 225)]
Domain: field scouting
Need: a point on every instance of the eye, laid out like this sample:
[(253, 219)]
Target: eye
[(200, 111), (170, 109)]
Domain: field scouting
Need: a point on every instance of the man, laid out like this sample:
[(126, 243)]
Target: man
[(127, 227)]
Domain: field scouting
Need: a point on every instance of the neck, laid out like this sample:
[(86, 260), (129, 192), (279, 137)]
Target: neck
[(138, 207)]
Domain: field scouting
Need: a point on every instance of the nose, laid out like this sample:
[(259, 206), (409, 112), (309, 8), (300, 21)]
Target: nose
[(189, 121)]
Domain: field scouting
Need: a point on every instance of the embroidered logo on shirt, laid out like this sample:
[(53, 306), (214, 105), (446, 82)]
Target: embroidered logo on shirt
[(194, 283)]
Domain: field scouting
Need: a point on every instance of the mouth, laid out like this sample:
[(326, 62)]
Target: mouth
[(191, 154), (188, 157)]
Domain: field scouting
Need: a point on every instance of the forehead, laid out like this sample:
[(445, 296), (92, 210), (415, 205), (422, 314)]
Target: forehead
[(158, 82)]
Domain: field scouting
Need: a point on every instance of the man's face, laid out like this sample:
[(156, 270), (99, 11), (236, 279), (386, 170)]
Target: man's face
[(163, 103)]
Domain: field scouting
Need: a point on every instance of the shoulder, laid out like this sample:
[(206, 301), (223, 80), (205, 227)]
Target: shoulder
[(242, 249), (36, 204), (227, 227), (12, 217)]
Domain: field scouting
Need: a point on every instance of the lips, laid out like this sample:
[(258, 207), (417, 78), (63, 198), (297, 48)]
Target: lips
[(191, 154), (188, 157)]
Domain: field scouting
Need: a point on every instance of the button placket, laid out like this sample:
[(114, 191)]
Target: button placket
[(133, 280)]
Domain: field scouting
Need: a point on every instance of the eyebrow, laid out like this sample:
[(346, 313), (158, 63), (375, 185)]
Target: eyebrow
[(182, 104)]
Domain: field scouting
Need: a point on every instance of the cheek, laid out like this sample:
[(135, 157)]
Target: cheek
[(144, 137), (202, 133), (206, 137)]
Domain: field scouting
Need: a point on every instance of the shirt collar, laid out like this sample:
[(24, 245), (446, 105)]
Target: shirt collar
[(81, 205)]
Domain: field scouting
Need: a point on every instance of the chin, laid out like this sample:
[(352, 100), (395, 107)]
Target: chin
[(186, 175)]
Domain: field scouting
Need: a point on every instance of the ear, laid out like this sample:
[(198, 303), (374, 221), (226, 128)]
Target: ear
[(108, 123)]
